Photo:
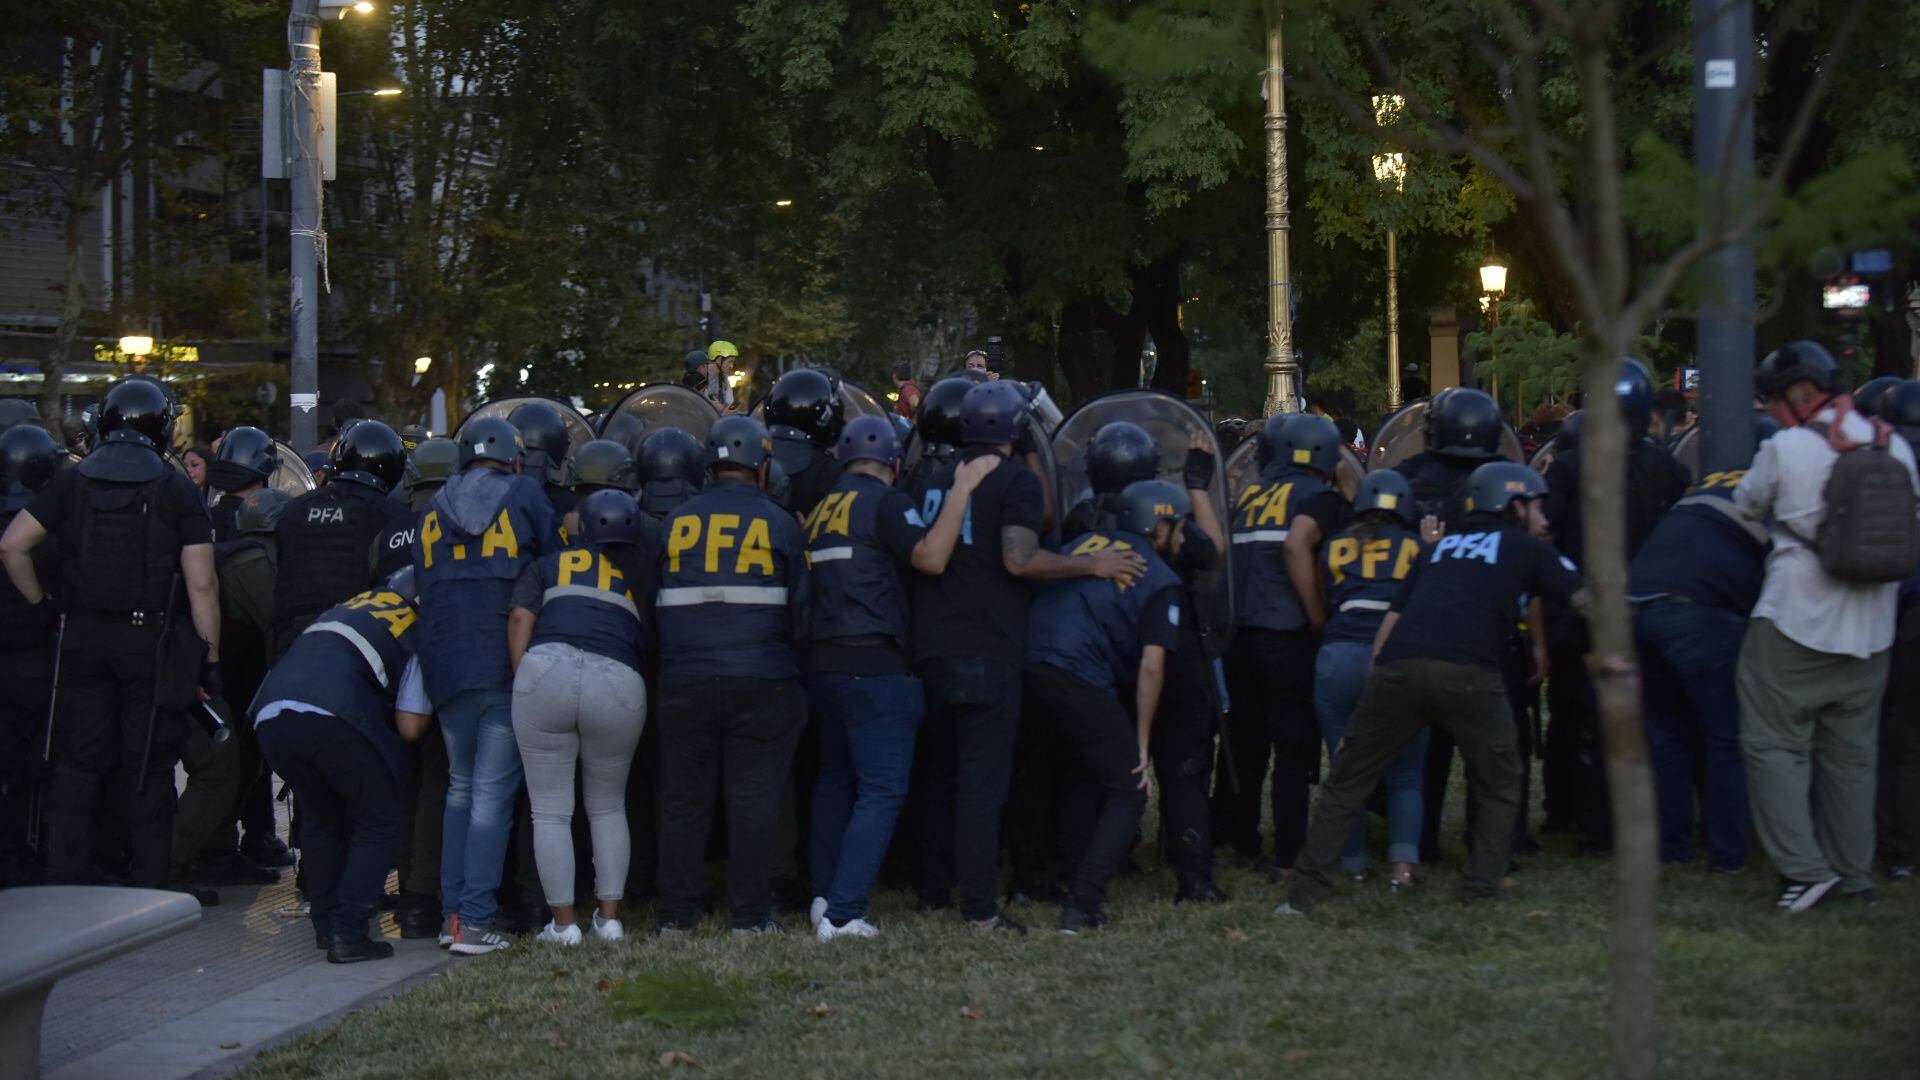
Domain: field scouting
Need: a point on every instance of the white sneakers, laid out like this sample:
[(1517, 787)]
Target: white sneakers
[(817, 912), (857, 928), (555, 934), (607, 929)]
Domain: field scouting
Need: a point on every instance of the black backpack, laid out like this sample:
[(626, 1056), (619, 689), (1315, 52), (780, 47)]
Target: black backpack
[(1870, 534)]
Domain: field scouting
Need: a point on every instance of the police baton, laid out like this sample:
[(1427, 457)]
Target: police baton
[(53, 698), (1212, 682), (161, 654)]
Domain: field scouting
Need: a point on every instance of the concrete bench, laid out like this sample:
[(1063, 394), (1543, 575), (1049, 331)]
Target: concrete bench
[(51, 932)]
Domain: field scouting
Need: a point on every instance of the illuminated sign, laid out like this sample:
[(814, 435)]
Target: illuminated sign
[(1846, 296), (162, 351)]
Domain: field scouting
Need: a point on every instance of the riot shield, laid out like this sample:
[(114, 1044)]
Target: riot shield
[(1404, 434), (1241, 470), (291, 477), (502, 408), (854, 401), (655, 406), (1173, 424)]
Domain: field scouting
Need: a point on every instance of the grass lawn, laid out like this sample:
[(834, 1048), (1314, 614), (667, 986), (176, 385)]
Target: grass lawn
[(1373, 985)]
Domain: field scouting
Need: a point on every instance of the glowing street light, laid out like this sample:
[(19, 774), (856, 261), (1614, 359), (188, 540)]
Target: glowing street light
[(421, 364), (137, 344), (783, 203), (1493, 278)]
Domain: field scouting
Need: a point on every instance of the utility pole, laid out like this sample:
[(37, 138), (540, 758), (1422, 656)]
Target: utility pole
[(1283, 369), (308, 233), (1723, 161)]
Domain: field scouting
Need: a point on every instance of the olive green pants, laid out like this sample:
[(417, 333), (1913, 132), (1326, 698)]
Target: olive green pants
[(213, 780), (1809, 730)]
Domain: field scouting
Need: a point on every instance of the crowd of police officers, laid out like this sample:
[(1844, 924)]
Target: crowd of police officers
[(838, 648)]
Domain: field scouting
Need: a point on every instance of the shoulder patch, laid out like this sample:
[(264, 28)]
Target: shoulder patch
[(1173, 614), (914, 519), (1568, 563)]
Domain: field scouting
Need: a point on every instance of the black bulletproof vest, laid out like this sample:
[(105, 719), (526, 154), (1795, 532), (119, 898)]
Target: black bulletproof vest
[(811, 473), (325, 541), (857, 591), (119, 556)]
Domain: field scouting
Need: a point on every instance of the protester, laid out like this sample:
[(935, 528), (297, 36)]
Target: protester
[(907, 392), (196, 458)]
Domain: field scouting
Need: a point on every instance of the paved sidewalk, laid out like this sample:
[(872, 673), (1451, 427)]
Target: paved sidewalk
[(207, 1001)]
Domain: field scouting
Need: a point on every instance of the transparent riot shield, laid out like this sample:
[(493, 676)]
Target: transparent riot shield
[(1404, 434), (1174, 425), (655, 406), (1242, 469), (291, 477), (577, 430)]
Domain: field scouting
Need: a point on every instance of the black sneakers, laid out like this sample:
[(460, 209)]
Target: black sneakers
[(1201, 892), (1073, 920), (1799, 896), (354, 952)]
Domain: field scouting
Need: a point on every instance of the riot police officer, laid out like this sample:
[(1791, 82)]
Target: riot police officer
[(1654, 483), (28, 460), (1119, 454), (1088, 639), (731, 611), (1437, 662), (480, 531), (545, 436), (131, 532), (1279, 523), (672, 470), (17, 411), (334, 715), (328, 538), (805, 416), (245, 462), (598, 465), (865, 704), (1464, 430), (969, 642), (937, 429)]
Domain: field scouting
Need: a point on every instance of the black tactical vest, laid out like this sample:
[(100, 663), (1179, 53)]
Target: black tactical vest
[(119, 556), (325, 538)]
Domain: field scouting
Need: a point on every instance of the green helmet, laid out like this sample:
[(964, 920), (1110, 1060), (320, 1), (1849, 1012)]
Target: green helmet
[(432, 462), (602, 463), (260, 511)]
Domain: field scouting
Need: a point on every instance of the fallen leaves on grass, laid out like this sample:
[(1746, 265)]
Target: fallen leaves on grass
[(605, 985), (1536, 914), (1295, 1055), (1158, 1063), (679, 1059), (555, 1039), (1237, 935), (820, 1011), (972, 1012)]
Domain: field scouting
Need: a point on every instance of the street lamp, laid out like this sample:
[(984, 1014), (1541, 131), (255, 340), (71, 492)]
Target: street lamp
[(1391, 168), (1493, 284), (136, 344), (421, 364)]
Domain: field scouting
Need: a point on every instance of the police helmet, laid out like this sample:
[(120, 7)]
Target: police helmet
[(432, 462), (412, 435), (1797, 361), (401, 582), (869, 438), (672, 454), (609, 516), (695, 359), (1633, 392), (28, 459), (1231, 432), (17, 411), (992, 414), (808, 400), (1429, 419), (368, 453), (490, 439), (740, 441), (259, 513), (1387, 491), (1495, 485), (136, 411), (722, 348), (602, 463), (1872, 395), (1465, 423), (1146, 503), (1271, 443), (1121, 452), (251, 449), (1312, 442), (938, 420), (1902, 409), (543, 434)]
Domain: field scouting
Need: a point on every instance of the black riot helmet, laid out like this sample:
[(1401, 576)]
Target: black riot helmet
[(739, 441), (1797, 361), (490, 439), (1387, 491), (544, 435), (1901, 408), (1633, 392), (250, 449), (1312, 442), (672, 454), (1271, 442), (17, 411), (1231, 432), (1465, 423), (1872, 395), (1121, 452), (610, 516), (1146, 503), (136, 411), (808, 400), (28, 459), (368, 453), (938, 420), (1497, 484), (602, 463)]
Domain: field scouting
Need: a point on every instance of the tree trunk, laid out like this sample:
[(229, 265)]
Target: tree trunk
[(72, 301), (1078, 361), (1615, 669), (1158, 298)]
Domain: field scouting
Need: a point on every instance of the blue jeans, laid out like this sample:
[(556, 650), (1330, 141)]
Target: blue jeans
[(1688, 656), (1339, 675), (483, 773), (866, 726)]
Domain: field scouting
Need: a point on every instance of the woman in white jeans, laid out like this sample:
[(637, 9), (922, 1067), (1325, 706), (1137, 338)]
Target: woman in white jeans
[(578, 636)]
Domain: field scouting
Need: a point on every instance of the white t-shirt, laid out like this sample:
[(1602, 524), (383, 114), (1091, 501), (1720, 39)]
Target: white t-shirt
[(1787, 483)]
